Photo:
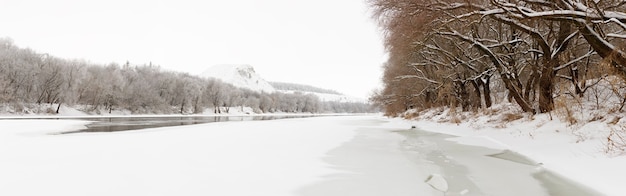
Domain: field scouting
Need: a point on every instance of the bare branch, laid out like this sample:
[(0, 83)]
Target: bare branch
[(616, 35), (402, 77), (592, 52)]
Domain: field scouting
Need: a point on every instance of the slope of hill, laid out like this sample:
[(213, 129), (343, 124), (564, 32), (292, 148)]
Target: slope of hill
[(322, 94), (242, 76), (284, 86)]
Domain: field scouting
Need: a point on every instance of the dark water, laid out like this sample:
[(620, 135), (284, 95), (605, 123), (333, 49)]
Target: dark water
[(114, 124)]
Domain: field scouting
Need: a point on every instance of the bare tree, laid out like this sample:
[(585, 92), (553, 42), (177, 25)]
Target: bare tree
[(451, 45)]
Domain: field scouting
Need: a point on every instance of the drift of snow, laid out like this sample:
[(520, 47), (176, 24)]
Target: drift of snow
[(242, 76)]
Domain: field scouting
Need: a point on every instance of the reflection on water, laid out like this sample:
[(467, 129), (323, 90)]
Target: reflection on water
[(134, 123)]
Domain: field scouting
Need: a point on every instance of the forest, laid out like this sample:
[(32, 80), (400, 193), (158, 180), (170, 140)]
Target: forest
[(29, 80), (471, 54)]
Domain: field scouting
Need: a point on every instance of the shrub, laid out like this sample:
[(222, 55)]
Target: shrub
[(510, 117)]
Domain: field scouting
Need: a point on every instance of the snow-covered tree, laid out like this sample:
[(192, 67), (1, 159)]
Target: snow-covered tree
[(527, 45), (28, 77)]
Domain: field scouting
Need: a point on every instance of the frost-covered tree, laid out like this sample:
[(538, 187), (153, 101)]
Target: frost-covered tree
[(31, 78)]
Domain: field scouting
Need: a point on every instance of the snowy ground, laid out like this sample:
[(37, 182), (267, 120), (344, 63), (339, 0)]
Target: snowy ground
[(77, 112), (577, 151), (345, 155)]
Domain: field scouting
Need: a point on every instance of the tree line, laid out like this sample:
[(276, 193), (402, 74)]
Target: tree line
[(461, 53), (28, 77)]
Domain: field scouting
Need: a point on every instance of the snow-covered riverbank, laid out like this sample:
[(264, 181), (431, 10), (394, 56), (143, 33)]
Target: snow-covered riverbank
[(47, 111), (577, 151)]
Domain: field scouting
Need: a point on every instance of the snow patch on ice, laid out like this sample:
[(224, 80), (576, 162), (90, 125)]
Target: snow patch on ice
[(438, 182)]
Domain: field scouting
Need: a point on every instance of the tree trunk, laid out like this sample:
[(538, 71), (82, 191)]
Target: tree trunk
[(546, 87), (428, 98), (546, 81), (226, 108), (476, 99), (59, 107), (529, 91), (515, 94), (575, 80), (182, 107), (487, 92), (505, 74), (464, 95), (196, 106)]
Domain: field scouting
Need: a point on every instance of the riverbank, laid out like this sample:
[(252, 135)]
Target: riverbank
[(36, 111), (579, 151), (73, 113)]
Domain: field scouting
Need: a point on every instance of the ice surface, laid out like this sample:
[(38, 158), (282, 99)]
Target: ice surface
[(334, 155), (231, 158)]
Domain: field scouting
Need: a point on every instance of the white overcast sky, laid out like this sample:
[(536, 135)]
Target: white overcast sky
[(331, 44)]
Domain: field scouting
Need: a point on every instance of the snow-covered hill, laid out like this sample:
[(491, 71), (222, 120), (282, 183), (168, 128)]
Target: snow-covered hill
[(339, 98), (321, 93), (242, 76)]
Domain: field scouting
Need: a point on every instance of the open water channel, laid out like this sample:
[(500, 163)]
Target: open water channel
[(113, 124)]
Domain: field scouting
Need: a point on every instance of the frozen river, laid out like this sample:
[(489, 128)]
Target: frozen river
[(473, 170), (114, 124), (326, 156), (385, 161)]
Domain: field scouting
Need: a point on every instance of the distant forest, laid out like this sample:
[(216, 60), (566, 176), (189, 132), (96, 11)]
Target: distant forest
[(29, 80), (301, 87)]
